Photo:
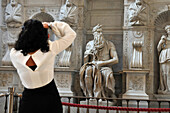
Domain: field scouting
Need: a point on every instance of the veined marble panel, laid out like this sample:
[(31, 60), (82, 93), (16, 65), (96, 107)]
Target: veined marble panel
[(107, 19), (107, 4)]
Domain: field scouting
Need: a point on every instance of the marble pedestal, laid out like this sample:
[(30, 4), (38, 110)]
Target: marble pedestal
[(94, 102), (64, 80), (135, 84), (162, 96), (135, 88), (165, 97)]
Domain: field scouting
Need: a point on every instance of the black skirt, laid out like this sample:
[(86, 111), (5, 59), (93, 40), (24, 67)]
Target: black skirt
[(45, 99)]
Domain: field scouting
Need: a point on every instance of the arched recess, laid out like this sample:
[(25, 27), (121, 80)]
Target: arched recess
[(44, 17), (160, 22)]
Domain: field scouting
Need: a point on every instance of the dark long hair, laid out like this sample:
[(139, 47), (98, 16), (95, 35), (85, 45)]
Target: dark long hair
[(32, 37)]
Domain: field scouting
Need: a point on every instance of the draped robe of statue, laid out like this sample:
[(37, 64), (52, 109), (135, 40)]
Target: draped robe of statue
[(68, 14), (97, 79), (164, 61), (13, 19)]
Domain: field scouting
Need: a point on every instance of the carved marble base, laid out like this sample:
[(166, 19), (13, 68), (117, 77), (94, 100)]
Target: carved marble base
[(135, 95), (133, 104), (135, 84), (162, 97), (63, 79), (2, 105), (94, 102), (9, 78)]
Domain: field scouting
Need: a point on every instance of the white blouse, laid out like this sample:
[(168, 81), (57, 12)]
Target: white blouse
[(44, 73)]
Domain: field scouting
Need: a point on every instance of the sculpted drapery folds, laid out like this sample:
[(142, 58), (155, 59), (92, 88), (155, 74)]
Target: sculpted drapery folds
[(13, 14), (68, 13), (96, 75), (164, 61)]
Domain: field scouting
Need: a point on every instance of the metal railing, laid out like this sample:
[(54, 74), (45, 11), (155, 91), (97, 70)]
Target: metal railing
[(87, 104), (127, 105)]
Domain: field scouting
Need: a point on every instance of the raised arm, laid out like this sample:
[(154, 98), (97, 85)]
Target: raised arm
[(160, 44), (65, 33)]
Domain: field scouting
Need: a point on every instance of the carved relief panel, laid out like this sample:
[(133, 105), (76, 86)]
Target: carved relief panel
[(64, 82), (6, 79), (136, 83)]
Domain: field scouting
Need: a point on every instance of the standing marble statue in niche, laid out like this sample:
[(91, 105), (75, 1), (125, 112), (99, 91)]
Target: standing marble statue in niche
[(68, 13), (96, 75), (13, 21), (164, 61), (137, 13), (13, 14)]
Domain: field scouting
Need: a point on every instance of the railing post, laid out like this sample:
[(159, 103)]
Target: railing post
[(87, 104), (6, 103), (69, 106), (11, 98), (127, 105), (97, 110)]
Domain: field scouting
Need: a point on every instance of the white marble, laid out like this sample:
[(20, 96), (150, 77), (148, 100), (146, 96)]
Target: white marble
[(101, 103), (63, 83), (137, 57), (96, 77), (13, 14), (135, 84), (114, 15), (138, 13)]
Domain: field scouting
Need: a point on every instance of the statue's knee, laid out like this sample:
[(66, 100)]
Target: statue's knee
[(111, 75), (89, 71)]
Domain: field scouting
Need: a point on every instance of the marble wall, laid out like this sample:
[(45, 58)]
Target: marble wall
[(149, 34), (110, 15), (114, 16)]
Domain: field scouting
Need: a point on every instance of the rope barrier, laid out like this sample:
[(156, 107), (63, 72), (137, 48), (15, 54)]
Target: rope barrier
[(117, 108)]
